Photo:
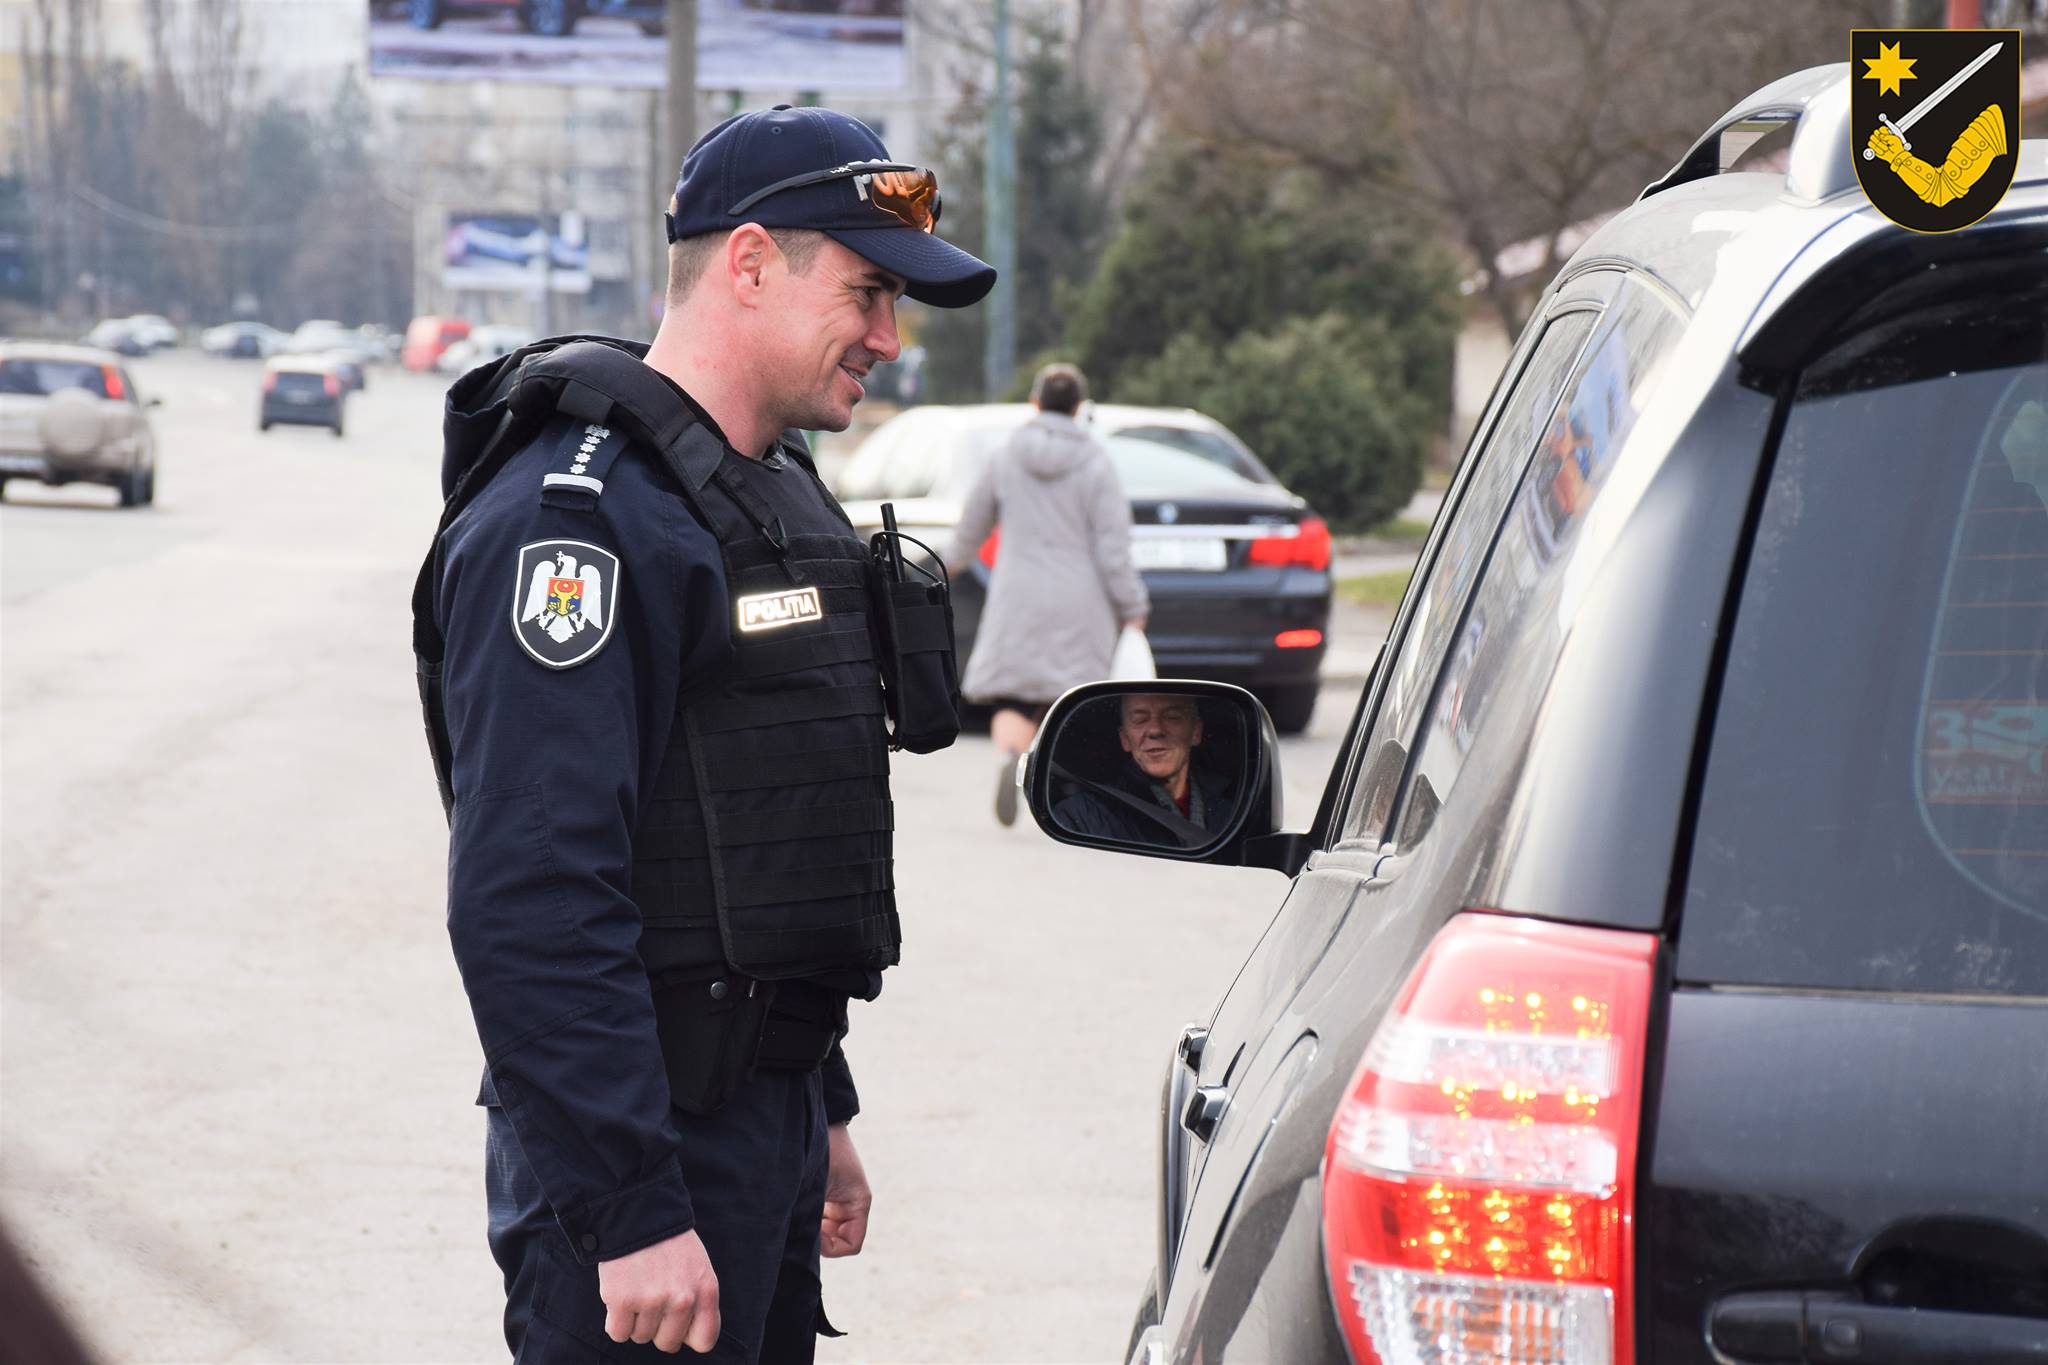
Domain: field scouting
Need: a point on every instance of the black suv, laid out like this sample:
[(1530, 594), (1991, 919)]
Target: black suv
[(1664, 977)]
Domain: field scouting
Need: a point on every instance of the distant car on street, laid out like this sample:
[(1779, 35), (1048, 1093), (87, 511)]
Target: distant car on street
[(1238, 567), (426, 337), (323, 334), (248, 340), (355, 375), (118, 335), (550, 18), (379, 342), (154, 330), (301, 390), (484, 344), (71, 414)]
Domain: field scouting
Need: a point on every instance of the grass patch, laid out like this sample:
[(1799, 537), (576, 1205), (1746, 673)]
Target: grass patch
[(1375, 589), (1401, 528)]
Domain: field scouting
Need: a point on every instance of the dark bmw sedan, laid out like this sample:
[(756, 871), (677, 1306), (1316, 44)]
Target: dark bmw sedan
[(1663, 977), (1237, 566)]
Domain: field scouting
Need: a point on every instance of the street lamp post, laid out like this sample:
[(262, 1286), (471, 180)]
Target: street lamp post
[(999, 193)]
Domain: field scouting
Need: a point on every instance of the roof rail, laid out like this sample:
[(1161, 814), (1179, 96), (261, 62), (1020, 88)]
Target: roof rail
[(1817, 100)]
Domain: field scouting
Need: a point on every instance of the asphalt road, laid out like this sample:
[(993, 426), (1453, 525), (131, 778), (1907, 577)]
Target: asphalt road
[(235, 1058)]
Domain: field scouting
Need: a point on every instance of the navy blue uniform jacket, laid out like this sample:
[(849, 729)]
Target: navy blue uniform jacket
[(550, 771)]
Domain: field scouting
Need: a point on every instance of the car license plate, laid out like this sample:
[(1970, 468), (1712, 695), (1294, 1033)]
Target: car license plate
[(1205, 553), (21, 464)]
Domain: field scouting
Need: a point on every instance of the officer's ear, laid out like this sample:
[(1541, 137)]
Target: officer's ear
[(748, 253)]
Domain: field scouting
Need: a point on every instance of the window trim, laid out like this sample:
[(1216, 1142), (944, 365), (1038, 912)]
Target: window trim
[(1677, 313), (1588, 292)]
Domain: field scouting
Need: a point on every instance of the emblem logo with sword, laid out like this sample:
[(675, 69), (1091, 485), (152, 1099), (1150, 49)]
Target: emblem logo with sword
[(1974, 106)]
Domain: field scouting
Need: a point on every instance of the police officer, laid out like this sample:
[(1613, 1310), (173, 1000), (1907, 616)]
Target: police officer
[(653, 670)]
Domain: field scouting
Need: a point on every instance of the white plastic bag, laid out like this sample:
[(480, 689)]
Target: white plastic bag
[(1132, 661)]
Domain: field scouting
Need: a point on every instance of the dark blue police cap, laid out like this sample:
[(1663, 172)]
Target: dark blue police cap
[(730, 177)]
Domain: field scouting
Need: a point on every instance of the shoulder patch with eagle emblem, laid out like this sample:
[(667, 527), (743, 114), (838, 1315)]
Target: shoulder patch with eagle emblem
[(565, 597)]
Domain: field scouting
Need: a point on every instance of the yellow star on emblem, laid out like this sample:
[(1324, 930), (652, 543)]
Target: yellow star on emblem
[(1888, 68)]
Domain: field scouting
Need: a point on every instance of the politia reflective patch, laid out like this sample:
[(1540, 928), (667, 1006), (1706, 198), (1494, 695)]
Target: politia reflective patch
[(769, 610), (565, 596)]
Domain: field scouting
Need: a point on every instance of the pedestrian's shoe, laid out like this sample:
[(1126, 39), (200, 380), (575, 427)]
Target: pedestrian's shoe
[(1006, 791)]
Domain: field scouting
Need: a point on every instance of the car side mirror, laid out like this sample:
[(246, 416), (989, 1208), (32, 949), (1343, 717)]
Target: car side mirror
[(1168, 768)]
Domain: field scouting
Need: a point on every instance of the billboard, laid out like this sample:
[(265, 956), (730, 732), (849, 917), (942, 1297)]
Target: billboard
[(766, 45), (524, 252)]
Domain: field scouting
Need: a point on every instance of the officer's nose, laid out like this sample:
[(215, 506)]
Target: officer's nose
[(882, 338)]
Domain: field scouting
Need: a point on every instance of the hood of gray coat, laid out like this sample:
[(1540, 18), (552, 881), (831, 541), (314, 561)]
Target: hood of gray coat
[(1051, 445)]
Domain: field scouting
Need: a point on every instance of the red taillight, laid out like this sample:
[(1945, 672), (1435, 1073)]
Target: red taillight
[(112, 377), (987, 553), (331, 384), (1298, 639), (1479, 1179), (270, 381), (1308, 547)]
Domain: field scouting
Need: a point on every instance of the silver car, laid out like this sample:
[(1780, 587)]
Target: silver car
[(71, 414)]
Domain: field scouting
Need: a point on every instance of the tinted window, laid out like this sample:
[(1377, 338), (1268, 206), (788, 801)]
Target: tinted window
[(297, 381), (1875, 812), (1149, 469), (25, 376), (1214, 447), (1508, 643), (1432, 604)]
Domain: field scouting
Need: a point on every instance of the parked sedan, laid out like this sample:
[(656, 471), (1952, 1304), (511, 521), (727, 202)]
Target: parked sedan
[(71, 414), (1237, 566), (251, 340), (301, 391), (118, 335), (1663, 978)]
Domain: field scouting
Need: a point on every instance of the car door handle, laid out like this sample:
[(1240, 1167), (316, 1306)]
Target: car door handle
[(1824, 1328), (1205, 1111)]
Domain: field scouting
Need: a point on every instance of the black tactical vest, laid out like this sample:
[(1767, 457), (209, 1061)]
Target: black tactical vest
[(772, 803), (766, 843)]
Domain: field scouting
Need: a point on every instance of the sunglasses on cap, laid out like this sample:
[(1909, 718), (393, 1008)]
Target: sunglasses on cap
[(909, 194)]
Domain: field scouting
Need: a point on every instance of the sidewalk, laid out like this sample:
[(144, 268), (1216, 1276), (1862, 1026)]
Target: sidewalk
[(1355, 636), (1356, 631)]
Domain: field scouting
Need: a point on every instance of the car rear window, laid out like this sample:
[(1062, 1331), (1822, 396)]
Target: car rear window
[(1875, 809), (1148, 469), (20, 375), (1218, 450), (298, 381)]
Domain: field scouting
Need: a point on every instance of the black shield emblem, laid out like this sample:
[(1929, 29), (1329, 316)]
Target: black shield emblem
[(565, 596), (1934, 121)]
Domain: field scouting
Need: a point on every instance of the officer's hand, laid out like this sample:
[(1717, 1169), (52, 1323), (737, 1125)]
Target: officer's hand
[(1886, 145), (666, 1294), (847, 1197)]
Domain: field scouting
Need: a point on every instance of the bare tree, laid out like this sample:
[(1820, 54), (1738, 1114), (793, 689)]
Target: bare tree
[(1502, 120)]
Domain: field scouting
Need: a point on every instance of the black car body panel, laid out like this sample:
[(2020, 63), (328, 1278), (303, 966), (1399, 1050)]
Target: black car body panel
[(1834, 1143), (1859, 1114)]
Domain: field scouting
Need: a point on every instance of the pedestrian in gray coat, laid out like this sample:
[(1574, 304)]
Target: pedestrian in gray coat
[(1063, 584)]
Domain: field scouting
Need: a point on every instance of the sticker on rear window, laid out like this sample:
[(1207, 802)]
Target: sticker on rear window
[(1983, 752)]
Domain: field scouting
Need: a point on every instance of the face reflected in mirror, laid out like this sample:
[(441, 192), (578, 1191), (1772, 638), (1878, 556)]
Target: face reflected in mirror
[(1155, 768), (1160, 731)]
